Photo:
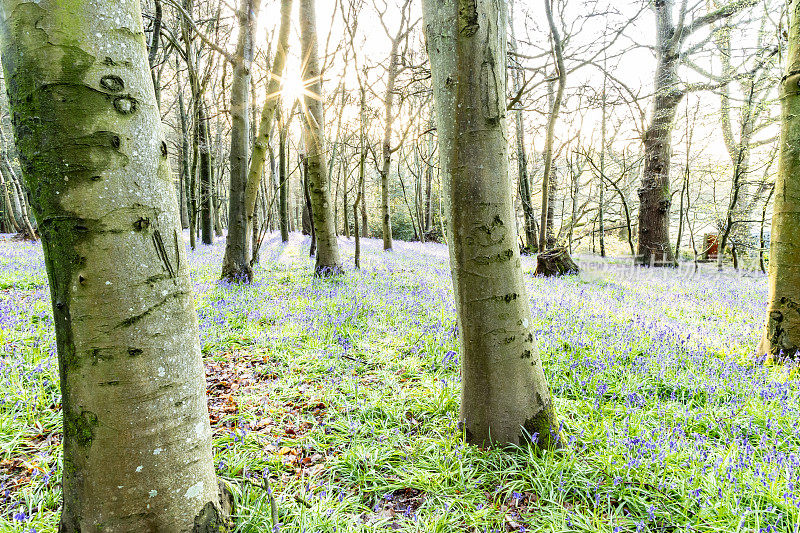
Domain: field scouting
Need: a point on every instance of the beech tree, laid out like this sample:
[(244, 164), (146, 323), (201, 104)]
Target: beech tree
[(782, 330), (504, 395), (327, 254), (242, 207), (238, 250), (137, 441)]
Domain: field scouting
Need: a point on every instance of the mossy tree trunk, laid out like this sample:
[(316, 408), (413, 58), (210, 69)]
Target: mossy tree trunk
[(246, 182), (504, 397), (782, 331), (327, 254), (137, 441), (238, 249)]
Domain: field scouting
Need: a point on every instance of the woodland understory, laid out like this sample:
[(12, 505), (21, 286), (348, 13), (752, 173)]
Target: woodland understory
[(341, 396)]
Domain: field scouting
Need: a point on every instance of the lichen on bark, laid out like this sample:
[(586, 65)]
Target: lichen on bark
[(89, 138)]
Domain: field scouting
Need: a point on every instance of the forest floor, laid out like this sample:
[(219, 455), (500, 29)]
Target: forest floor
[(344, 393)]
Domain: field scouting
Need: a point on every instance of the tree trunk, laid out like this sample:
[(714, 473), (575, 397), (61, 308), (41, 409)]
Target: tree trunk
[(283, 181), (655, 248), (308, 212), (504, 397), (255, 227), (238, 247), (386, 145), (550, 238), (345, 214), (529, 217), (217, 185), (603, 142), (555, 262), (152, 53), (185, 182), (187, 177), (206, 177), (137, 441), (782, 330), (305, 202), (10, 219), (362, 160), (545, 231), (327, 258), (269, 111)]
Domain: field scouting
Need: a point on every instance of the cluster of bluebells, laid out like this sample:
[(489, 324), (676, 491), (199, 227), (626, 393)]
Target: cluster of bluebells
[(654, 375)]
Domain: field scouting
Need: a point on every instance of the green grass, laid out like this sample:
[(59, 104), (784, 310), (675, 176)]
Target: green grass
[(344, 394)]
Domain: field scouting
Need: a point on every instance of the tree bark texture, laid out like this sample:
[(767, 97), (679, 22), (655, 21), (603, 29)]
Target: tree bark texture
[(782, 330), (137, 440), (504, 397), (327, 254), (655, 248), (238, 246)]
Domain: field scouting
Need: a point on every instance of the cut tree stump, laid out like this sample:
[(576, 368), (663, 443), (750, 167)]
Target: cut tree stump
[(555, 262)]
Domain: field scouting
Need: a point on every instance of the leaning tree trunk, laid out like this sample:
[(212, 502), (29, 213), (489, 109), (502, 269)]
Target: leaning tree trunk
[(327, 255), (504, 395), (137, 441), (782, 331), (548, 192), (242, 203), (655, 248), (238, 247)]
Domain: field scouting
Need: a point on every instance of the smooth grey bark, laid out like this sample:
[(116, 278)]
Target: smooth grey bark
[(328, 261), (504, 397), (236, 264), (137, 440), (782, 328)]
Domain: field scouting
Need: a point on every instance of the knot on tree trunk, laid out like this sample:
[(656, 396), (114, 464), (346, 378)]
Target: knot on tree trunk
[(555, 262)]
